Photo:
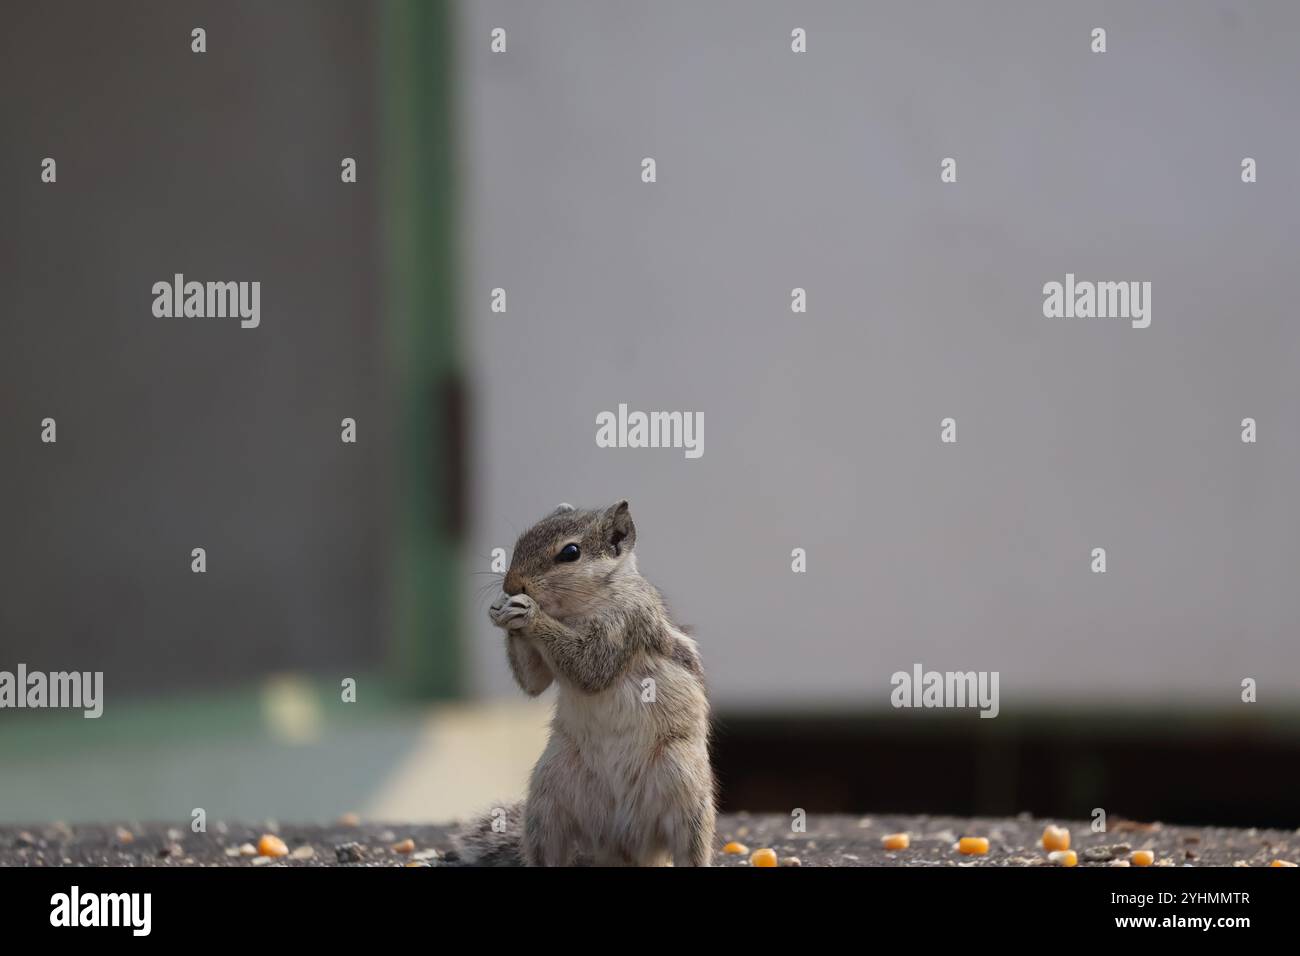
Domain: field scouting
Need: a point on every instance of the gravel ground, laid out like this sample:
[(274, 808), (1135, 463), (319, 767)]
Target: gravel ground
[(829, 840)]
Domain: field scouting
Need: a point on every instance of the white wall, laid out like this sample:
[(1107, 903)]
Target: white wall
[(822, 431)]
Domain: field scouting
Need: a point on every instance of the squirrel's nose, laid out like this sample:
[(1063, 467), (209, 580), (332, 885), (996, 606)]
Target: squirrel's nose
[(514, 584)]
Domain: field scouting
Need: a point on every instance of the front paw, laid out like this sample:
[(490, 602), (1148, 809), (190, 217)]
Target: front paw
[(512, 611)]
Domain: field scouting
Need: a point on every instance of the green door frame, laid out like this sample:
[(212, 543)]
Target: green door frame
[(429, 506)]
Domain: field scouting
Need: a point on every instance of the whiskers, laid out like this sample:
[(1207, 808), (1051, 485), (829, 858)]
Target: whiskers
[(489, 589)]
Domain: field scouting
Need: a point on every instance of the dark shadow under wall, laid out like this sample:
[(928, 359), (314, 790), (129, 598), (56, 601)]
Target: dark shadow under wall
[(1228, 772)]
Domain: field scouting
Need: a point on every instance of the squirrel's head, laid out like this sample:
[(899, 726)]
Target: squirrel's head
[(566, 561)]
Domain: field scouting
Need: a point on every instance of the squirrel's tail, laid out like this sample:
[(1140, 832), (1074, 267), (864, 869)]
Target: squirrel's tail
[(494, 838)]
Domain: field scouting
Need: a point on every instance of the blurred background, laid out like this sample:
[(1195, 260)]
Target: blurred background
[(522, 171)]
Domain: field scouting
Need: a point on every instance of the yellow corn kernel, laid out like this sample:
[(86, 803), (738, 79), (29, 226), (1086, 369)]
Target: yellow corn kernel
[(896, 841), (1063, 858), (764, 857), (1056, 838), (271, 845), (976, 846), (1282, 863), (735, 849), (405, 846), (1143, 858)]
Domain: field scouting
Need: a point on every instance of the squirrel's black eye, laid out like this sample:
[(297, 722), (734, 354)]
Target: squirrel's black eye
[(568, 553)]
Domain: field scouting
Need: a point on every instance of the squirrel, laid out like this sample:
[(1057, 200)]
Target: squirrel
[(625, 778)]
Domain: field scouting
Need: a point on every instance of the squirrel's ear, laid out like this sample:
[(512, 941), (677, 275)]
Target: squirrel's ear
[(563, 508), (620, 532)]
